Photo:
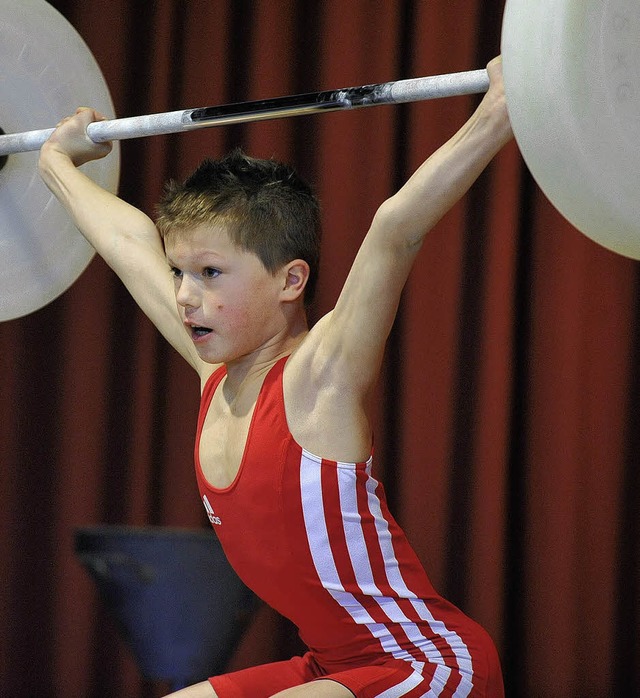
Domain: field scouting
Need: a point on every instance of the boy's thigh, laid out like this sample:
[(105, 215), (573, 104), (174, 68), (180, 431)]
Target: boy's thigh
[(323, 688), (265, 680), (198, 690), (301, 676)]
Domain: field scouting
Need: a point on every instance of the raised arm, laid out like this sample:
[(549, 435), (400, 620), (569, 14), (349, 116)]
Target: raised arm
[(122, 235), (350, 340)]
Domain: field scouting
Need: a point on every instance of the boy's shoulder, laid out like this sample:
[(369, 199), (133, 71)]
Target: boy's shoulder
[(323, 402)]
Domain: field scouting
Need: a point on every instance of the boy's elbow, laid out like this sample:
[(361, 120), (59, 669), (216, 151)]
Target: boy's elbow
[(397, 227)]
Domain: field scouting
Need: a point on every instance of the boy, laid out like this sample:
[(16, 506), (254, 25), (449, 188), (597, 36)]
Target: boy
[(283, 445)]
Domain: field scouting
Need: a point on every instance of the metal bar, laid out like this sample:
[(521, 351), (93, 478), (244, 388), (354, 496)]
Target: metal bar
[(396, 92)]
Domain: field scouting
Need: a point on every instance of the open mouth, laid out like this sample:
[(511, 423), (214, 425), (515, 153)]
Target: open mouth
[(198, 332)]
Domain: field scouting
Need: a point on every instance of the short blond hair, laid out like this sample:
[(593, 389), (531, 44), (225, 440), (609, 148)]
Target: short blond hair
[(265, 206)]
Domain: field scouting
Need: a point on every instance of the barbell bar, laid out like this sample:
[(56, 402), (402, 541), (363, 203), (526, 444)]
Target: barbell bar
[(394, 92)]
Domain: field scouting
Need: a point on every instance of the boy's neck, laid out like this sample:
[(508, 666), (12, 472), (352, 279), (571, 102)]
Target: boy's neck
[(245, 369)]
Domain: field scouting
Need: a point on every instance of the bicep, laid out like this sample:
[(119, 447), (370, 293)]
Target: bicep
[(127, 240), (140, 263), (356, 331)]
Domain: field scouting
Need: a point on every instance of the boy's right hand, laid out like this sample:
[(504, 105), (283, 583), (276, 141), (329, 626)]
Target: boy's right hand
[(494, 104), (70, 138)]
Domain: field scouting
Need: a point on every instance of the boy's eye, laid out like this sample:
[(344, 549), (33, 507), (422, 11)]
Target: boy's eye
[(210, 272), (176, 273)]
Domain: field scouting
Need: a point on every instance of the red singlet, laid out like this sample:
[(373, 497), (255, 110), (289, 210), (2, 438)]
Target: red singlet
[(315, 540)]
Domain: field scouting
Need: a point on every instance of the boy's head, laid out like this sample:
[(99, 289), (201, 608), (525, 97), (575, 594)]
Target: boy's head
[(267, 209)]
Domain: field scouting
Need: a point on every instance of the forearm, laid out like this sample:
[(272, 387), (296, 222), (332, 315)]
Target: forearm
[(103, 218), (125, 238), (447, 175)]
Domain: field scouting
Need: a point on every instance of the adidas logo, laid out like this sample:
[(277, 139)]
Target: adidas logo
[(210, 513)]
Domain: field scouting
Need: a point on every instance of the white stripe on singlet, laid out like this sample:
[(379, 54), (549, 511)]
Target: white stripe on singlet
[(403, 688), (397, 583), (440, 679), (325, 564)]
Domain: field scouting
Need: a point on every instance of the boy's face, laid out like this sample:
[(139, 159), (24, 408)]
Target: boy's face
[(226, 298)]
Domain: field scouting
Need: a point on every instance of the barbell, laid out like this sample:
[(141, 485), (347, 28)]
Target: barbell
[(572, 80)]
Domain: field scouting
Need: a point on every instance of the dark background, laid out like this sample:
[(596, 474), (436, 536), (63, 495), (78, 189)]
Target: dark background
[(507, 432)]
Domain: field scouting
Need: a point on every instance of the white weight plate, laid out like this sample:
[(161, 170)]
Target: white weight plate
[(572, 80), (46, 71)]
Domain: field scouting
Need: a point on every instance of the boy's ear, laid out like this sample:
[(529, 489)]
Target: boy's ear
[(296, 277)]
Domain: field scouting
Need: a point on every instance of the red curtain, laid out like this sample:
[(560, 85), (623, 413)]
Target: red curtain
[(507, 427)]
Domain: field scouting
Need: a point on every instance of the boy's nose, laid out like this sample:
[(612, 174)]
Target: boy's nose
[(187, 293)]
